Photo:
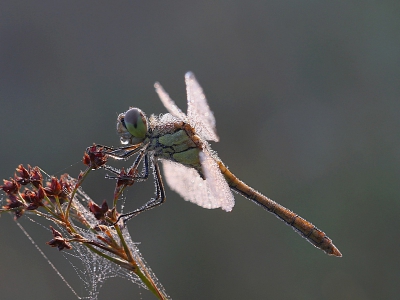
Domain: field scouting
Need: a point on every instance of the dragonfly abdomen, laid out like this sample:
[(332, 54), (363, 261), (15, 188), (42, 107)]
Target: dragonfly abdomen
[(306, 229)]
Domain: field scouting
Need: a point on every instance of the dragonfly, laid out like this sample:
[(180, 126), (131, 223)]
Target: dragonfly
[(191, 167)]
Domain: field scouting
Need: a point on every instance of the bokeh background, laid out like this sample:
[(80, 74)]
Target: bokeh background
[(306, 97)]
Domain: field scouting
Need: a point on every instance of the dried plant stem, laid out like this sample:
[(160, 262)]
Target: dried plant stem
[(94, 227)]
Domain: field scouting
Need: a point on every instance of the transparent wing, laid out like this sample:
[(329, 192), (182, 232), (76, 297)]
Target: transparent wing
[(169, 103), (188, 183), (220, 190), (199, 114)]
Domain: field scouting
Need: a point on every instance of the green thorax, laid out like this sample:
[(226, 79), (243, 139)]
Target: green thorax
[(175, 141)]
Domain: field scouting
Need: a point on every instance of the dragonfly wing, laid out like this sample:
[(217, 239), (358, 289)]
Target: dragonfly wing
[(220, 190), (199, 113), (169, 103), (188, 183)]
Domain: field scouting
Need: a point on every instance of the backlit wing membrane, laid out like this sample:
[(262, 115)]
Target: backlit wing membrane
[(169, 103), (188, 183), (199, 114), (220, 190)]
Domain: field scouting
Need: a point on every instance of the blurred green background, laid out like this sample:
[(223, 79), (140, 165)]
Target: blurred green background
[(306, 97)]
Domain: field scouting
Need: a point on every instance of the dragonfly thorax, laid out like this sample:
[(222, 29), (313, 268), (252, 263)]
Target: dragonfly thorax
[(174, 140)]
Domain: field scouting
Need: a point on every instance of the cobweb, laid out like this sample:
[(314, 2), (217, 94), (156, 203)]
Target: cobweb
[(90, 269)]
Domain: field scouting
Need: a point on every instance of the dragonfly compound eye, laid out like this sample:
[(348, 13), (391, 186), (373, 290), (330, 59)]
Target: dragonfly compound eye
[(136, 123)]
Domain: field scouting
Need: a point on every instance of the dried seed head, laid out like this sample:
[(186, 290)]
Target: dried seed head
[(126, 179), (15, 205), (10, 186), (36, 177), (97, 211), (53, 187), (31, 175), (58, 241), (67, 185), (34, 198), (94, 157), (22, 175)]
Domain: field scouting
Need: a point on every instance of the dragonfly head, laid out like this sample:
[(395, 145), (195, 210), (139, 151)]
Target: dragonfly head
[(132, 126)]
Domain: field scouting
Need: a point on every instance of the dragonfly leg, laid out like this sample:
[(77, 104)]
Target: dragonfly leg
[(108, 148), (121, 152), (160, 194), (142, 177), (127, 151)]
